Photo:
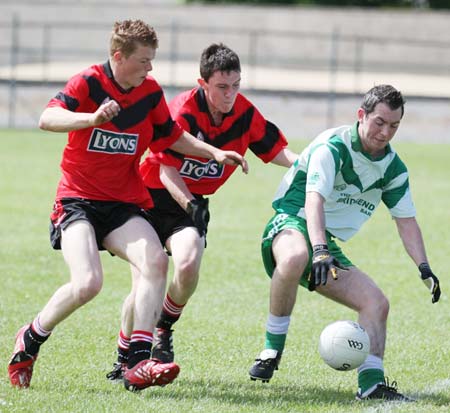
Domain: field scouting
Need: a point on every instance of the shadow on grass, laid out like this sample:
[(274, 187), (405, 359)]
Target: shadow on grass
[(257, 393), (262, 394)]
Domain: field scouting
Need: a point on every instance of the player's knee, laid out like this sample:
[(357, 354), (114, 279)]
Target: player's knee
[(378, 305), (292, 266), (87, 289), (154, 264), (187, 270), (383, 306)]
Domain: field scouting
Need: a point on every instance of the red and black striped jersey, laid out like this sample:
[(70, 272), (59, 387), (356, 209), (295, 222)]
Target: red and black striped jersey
[(244, 127), (102, 163)]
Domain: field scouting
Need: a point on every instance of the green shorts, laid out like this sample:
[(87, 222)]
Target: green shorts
[(284, 221)]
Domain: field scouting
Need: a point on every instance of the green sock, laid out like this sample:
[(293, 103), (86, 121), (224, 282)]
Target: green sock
[(275, 341), (370, 377)]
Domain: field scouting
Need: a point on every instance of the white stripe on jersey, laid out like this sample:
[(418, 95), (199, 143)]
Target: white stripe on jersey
[(353, 193)]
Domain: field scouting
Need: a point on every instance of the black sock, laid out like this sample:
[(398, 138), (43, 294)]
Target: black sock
[(122, 355), (139, 350), (166, 321), (33, 341)]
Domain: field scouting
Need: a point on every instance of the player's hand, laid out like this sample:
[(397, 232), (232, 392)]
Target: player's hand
[(231, 158), (198, 210), (322, 262), (105, 112), (430, 281)]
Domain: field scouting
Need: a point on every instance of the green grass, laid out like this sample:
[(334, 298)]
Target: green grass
[(222, 328)]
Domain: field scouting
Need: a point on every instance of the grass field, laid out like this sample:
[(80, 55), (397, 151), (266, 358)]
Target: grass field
[(222, 328)]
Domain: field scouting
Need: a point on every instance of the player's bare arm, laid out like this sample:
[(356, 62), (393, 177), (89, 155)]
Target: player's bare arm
[(285, 158), (57, 119), (188, 144), (322, 261), (315, 218), (411, 236), (171, 179)]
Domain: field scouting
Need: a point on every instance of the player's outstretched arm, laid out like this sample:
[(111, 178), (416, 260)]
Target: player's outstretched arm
[(58, 119), (172, 180), (197, 209), (411, 236), (188, 144), (285, 158)]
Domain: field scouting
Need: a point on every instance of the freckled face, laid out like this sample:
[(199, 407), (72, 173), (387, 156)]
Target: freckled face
[(221, 90), (376, 129)]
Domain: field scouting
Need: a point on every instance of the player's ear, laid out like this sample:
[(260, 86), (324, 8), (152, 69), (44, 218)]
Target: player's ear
[(361, 112), (117, 56), (201, 82)]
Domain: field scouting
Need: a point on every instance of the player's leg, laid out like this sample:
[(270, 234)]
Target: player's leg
[(137, 242), (186, 247), (290, 253), (126, 328), (80, 252), (358, 291)]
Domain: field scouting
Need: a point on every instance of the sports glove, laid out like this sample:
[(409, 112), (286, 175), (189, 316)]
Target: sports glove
[(430, 281), (322, 262), (198, 210)]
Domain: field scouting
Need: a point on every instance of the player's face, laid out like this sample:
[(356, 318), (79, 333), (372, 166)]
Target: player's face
[(221, 90), (377, 128), (133, 69)]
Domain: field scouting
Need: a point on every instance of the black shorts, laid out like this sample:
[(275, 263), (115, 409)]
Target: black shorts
[(104, 216), (167, 217)]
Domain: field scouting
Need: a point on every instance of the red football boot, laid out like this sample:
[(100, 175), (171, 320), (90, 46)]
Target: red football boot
[(20, 368), (150, 373)]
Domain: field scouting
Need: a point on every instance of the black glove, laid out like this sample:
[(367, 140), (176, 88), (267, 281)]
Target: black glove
[(430, 281), (198, 210), (322, 262)]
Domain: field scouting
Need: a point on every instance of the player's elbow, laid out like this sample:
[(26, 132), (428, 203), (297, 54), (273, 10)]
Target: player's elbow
[(44, 123)]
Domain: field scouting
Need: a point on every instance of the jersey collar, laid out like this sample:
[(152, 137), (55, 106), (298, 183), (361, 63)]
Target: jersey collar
[(109, 74), (203, 105), (357, 145)]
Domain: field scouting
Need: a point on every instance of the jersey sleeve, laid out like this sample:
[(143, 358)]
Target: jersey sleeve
[(165, 130), (396, 192), (266, 140), (167, 157), (321, 171), (71, 97)]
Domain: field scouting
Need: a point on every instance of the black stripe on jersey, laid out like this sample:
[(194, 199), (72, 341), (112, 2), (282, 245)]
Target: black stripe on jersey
[(127, 117), (138, 112), (163, 130), (69, 101), (173, 153), (239, 127), (96, 91), (193, 126), (201, 100), (268, 141)]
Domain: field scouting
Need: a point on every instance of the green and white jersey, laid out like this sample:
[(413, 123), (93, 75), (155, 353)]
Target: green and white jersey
[(351, 182)]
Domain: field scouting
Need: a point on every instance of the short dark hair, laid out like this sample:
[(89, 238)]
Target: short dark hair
[(218, 57), (383, 94)]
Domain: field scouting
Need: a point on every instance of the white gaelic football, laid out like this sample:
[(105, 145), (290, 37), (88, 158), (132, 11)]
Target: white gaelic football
[(344, 345)]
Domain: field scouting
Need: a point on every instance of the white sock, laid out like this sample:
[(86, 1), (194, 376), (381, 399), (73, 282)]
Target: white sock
[(278, 325), (371, 362), (36, 325)]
